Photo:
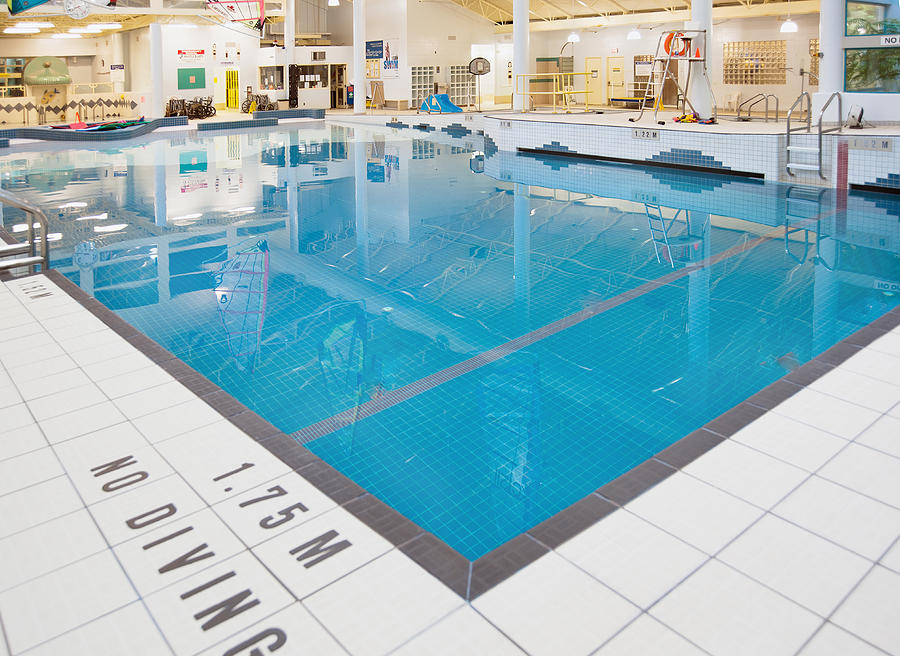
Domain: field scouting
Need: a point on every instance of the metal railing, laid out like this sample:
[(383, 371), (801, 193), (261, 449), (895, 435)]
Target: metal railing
[(755, 100), (837, 128), (563, 88), (33, 213)]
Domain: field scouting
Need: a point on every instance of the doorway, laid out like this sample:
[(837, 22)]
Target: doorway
[(594, 67), (337, 81), (232, 90), (615, 77)]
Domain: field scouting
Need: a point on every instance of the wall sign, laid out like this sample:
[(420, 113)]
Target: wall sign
[(871, 143), (645, 133), (191, 55), (191, 78), (890, 40)]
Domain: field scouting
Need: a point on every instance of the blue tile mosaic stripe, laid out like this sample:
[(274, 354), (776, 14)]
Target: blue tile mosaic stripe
[(456, 130), (290, 113), (234, 125), (424, 127), (892, 181), (687, 157), (556, 147), (396, 124), (49, 134), (4, 143)]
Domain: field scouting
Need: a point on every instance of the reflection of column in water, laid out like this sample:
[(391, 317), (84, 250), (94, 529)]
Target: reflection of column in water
[(293, 194), (362, 206), (510, 402), (522, 256), (698, 307), (825, 295), (159, 182)]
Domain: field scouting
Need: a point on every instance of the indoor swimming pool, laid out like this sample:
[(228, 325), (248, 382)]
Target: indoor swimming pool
[(478, 338)]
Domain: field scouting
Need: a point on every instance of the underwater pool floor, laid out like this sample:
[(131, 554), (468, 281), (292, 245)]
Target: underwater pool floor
[(148, 512)]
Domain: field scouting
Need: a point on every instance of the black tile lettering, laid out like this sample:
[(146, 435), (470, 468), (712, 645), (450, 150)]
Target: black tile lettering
[(279, 642), (318, 546), (225, 610), (189, 558), (151, 516)]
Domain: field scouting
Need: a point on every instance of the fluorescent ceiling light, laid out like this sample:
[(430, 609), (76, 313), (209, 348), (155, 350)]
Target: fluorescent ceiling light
[(22, 227), (85, 30), (789, 26), (21, 30), (74, 203), (574, 38), (65, 36), (37, 24), (94, 217), (111, 228), (242, 209), (54, 236), (106, 26), (186, 216), (633, 35)]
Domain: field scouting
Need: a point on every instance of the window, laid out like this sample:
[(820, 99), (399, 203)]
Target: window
[(271, 77), (866, 18), (754, 62), (814, 62), (872, 69)]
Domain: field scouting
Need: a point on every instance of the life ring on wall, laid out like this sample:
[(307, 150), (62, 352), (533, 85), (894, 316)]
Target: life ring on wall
[(676, 38)]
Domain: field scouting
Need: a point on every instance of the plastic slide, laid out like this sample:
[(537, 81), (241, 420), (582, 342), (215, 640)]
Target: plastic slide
[(439, 103)]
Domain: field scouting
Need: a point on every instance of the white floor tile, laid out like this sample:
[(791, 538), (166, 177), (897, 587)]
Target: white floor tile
[(53, 383), (215, 451), (28, 469), (844, 419), (175, 420), (67, 327), (695, 512), (833, 641), (95, 339), (728, 614), (876, 364), (859, 389), (380, 606), (23, 329), (103, 353), (647, 637), (134, 381), (804, 567), (183, 610), (35, 370), (66, 401), (28, 343), (129, 630), (49, 546), (31, 357), (153, 399), (891, 559), (36, 504), (319, 551), (883, 435), (16, 441), (64, 600), (634, 558), (177, 550), (852, 520), (116, 367), (753, 476), (870, 472), (300, 630), (15, 416), (583, 613), (889, 344), (462, 632), (895, 411), (145, 508), (871, 611), (790, 440), (9, 394), (81, 422)]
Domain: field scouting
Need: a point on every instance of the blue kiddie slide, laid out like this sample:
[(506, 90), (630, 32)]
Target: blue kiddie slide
[(439, 103)]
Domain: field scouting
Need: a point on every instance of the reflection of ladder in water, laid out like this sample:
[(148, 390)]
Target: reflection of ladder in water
[(803, 207), (659, 230)]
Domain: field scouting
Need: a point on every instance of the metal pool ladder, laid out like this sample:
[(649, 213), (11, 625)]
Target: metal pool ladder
[(791, 166), (33, 252)]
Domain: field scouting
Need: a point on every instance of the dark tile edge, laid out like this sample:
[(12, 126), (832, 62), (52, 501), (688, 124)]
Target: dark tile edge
[(470, 579)]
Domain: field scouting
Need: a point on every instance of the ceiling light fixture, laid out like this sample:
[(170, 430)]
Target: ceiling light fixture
[(111, 228), (574, 38), (334, 3), (789, 26), (67, 35), (38, 24), (106, 26), (84, 30), (21, 30), (633, 35)]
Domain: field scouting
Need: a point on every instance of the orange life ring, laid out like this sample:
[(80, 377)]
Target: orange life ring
[(670, 39)]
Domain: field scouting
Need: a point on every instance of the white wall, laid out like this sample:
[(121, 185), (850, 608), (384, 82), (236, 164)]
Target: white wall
[(432, 23), (44, 47), (387, 19)]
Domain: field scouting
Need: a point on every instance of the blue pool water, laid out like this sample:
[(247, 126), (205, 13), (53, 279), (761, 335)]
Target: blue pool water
[(315, 272)]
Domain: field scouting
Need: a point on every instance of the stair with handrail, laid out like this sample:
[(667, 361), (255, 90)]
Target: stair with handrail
[(790, 165), (36, 250)]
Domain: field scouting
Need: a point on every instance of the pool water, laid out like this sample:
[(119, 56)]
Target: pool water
[(494, 345)]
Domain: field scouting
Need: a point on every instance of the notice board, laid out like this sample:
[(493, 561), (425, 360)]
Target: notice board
[(191, 78)]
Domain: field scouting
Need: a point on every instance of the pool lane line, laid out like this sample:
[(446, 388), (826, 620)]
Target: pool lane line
[(392, 397)]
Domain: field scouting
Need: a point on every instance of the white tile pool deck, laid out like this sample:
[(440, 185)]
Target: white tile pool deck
[(136, 520)]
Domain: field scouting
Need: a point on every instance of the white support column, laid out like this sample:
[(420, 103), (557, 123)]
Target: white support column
[(520, 50), (157, 102), (117, 41), (698, 93), (290, 33), (359, 56), (360, 183), (831, 45)]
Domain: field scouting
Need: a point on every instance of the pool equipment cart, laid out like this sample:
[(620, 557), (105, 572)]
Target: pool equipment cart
[(672, 48)]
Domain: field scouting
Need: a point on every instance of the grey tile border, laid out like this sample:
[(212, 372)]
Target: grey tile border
[(470, 579)]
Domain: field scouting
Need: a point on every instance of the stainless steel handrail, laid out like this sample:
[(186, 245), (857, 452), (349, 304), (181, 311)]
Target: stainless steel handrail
[(755, 100), (788, 129), (33, 212), (840, 123)]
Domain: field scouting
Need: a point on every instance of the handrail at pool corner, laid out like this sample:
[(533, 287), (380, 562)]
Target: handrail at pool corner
[(840, 123), (33, 212)]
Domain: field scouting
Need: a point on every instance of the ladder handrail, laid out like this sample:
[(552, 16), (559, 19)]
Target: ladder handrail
[(799, 101), (840, 123), (33, 212), (758, 98)]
